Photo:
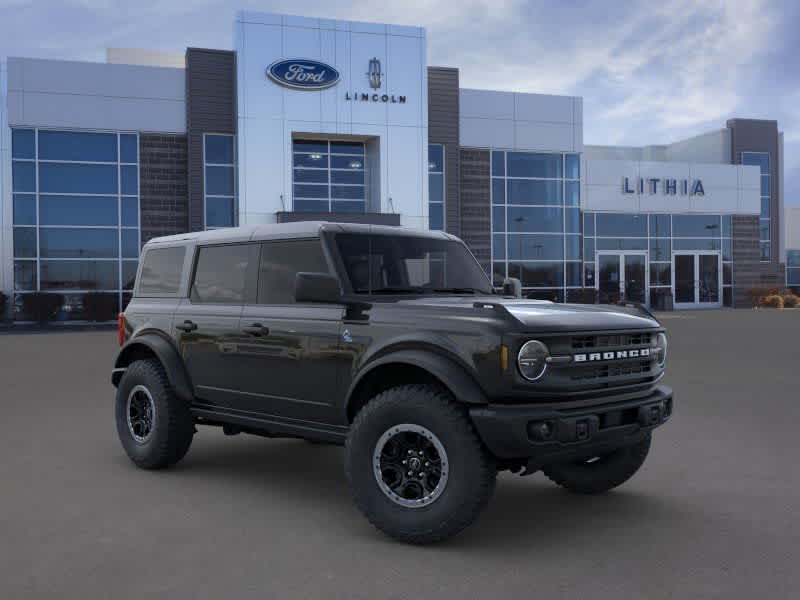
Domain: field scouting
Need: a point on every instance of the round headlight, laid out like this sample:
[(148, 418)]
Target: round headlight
[(661, 345), (532, 360)]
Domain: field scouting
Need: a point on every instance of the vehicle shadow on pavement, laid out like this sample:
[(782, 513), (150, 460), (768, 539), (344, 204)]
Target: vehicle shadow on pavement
[(524, 512), (531, 511)]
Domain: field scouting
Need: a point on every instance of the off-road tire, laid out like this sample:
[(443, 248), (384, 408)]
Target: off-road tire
[(603, 474), (173, 426), (471, 477)]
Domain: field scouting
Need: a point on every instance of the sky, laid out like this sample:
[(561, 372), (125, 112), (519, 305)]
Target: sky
[(649, 72)]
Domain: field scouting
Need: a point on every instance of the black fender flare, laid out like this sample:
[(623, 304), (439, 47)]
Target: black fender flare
[(450, 373), (166, 353)]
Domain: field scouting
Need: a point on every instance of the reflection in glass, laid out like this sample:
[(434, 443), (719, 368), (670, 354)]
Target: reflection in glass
[(24, 209), (535, 219), (78, 243), (79, 275), (78, 146), (219, 149), (219, 212), (25, 275), (66, 178), (23, 176), (25, 242), (23, 143), (531, 164), (621, 225), (77, 210), (532, 191), (541, 274), (535, 247)]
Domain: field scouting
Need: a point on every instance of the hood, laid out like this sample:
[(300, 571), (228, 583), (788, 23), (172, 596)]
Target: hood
[(545, 316)]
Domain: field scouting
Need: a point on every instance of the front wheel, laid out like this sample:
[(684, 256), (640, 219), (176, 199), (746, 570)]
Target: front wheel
[(416, 466), (599, 474)]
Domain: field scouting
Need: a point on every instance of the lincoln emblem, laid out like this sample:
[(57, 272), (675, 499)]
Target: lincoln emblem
[(374, 74)]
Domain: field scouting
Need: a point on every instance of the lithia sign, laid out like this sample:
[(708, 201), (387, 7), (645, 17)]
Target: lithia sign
[(667, 186), (306, 74)]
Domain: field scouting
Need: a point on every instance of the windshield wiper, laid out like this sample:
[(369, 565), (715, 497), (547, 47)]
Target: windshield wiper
[(459, 290), (390, 290)]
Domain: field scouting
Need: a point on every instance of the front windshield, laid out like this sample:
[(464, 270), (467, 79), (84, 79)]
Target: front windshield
[(386, 264)]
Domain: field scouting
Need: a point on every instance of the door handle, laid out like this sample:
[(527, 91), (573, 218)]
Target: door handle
[(256, 329), (186, 326)]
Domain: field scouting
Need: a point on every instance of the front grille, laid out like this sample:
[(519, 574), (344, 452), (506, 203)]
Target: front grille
[(613, 370), (580, 342)]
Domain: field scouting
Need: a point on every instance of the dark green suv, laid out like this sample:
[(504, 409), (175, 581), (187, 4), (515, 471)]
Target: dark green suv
[(393, 343)]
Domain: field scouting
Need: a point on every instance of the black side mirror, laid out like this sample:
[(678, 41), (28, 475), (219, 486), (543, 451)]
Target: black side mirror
[(317, 287), (512, 287)]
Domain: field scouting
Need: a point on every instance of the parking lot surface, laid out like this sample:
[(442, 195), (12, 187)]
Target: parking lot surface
[(714, 513)]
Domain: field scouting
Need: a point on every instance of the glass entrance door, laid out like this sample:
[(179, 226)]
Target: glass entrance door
[(697, 279), (622, 277)]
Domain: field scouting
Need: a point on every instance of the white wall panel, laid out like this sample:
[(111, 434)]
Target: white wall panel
[(99, 112), (6, 205), (54, 93), (363, 47), (541, 107), (536, 121), (261, 183), (486, 133), (486, 104), (405, 81), (269, 114), (405, 147), (540, 135)]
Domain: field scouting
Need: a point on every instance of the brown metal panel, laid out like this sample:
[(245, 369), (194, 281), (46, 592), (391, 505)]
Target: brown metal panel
[(210, 108), (756, 135), (443, 128)]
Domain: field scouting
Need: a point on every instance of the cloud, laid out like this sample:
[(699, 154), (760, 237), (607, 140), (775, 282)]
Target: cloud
[(649, 72)]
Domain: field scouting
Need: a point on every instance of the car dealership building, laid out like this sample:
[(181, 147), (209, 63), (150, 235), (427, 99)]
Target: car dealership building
[(339, 120)]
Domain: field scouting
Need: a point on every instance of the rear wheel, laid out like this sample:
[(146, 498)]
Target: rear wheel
[(154, 426), (600, 473), (416, 466)]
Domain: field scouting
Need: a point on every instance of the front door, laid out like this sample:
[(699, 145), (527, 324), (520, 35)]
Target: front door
[(290, 359), (622, 276), (697, 279)]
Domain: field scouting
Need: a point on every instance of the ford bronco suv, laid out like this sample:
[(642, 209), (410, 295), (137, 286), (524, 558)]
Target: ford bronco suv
[(393, 343)]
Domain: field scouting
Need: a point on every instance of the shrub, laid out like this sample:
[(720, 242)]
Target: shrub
[(98, 306), (758, 295), (790, 301), (773, 301), (41, 306)]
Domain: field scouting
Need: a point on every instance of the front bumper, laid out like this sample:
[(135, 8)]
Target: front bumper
[(548, 433)]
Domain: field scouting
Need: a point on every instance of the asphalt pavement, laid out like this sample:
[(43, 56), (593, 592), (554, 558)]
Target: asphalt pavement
[(714, 513)]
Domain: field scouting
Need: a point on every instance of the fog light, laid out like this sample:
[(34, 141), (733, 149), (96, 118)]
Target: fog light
[(540, 430)]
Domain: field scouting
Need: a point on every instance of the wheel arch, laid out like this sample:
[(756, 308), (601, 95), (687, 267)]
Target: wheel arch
[(152, 345), (407, 367)]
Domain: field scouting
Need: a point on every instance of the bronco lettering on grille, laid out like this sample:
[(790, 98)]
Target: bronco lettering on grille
[(615, 355)]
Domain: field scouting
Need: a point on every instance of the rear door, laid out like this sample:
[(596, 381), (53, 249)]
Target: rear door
[(207, 322), (290, 359)]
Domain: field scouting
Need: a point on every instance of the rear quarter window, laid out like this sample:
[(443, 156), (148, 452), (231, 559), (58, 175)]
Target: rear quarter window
[(161, 271)]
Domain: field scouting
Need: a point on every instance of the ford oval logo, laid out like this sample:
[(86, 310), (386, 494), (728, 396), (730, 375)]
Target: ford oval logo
[(303, 74)]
